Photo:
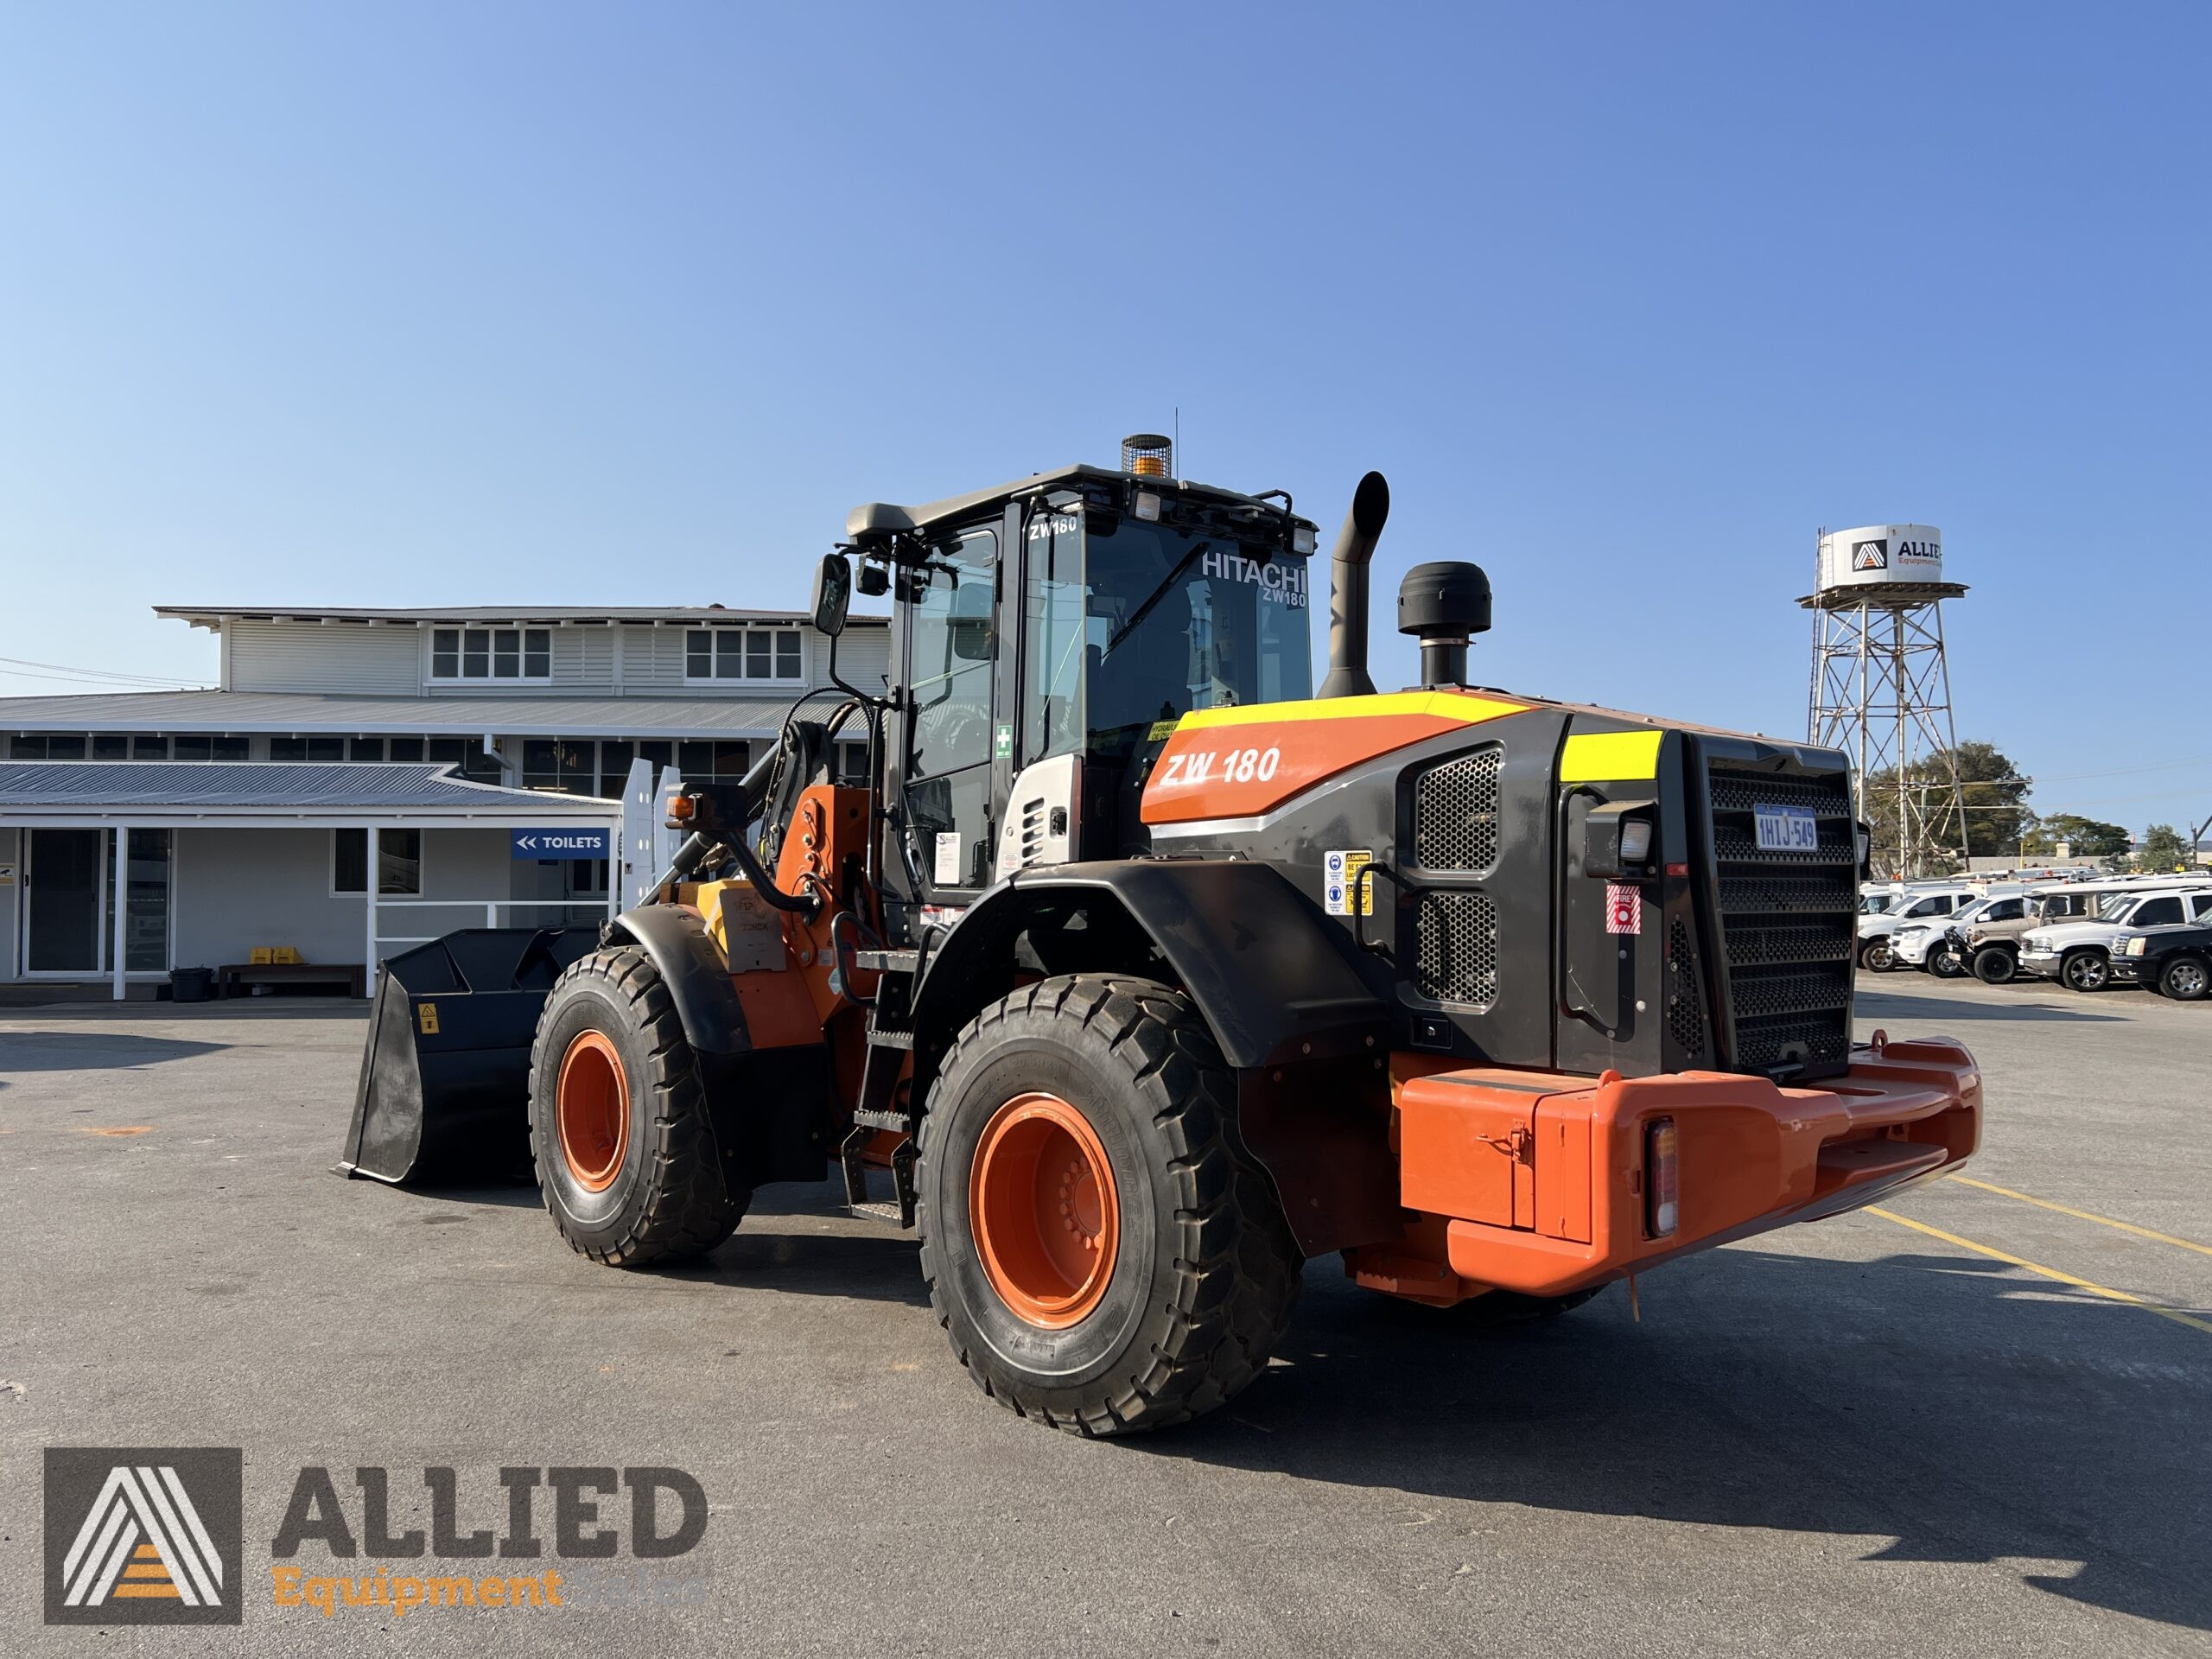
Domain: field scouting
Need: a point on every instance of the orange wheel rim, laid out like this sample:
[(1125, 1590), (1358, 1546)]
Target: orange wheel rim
[(591, 1107), (1042, 1207)]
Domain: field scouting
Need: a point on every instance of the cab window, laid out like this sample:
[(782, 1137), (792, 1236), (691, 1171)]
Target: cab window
[(2156, 913), (2005, 910), (948, 656)]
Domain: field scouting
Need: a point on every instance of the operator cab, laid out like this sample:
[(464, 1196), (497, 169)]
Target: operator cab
[(1046, 636)]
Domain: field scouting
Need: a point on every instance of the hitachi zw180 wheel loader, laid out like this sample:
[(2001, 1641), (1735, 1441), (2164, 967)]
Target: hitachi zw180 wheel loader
[(1147, 972)]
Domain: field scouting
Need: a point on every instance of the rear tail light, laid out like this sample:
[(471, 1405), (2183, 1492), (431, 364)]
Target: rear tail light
[(1661, 1178)]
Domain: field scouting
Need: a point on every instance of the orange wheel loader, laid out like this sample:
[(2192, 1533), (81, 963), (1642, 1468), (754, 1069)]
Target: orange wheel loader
[(1148, 971)]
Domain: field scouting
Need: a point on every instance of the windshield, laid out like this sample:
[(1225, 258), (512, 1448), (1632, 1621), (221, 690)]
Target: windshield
[(1131, 624), (1970, 912), (2114, 906)]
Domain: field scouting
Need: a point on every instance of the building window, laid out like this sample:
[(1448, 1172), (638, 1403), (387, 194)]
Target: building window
[(50, 746), (111, 745), (146, 942), (568, 765), (199, 746), (713, 763), (776, 654), (320, 750), (406, 748), (399, 862), (491, 654), (614, 760), (150, 749), (365, 749)]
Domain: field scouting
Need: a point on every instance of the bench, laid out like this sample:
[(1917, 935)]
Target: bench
[(233, 975)]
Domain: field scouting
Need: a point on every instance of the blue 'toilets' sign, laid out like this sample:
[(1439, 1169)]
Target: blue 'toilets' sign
[(562, 843)]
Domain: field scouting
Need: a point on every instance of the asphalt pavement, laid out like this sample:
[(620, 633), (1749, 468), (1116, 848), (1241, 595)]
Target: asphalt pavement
[(1974, 1422)]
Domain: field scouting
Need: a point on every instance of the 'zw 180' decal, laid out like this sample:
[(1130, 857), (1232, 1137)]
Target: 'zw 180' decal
[(1237, 766)]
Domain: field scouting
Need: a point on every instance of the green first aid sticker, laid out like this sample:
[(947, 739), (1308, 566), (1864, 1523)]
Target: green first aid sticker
[(1002, 747)]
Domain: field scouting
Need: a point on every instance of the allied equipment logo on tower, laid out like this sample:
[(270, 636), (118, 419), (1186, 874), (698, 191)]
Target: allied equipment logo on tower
[(143, 1535), (1869, 555)]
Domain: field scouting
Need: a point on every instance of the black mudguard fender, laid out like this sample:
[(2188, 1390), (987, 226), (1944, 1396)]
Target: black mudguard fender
[(769, 1107), (1309, 1041)]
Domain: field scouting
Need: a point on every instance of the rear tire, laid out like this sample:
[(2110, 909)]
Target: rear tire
[(626, 1158), (2185, 979), (1101, 1107), (2085, 970), (1994, 965)]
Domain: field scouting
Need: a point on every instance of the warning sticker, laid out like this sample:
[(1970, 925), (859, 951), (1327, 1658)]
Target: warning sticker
[(1340, 882), (947, 872), (1161, 730), (1623, 908)]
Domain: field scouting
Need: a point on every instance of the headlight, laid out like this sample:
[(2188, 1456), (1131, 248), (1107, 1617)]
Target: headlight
[(2136, 947)]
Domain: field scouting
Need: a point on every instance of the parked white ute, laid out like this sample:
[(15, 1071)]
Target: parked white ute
[(2078, 955), (1917, 904), (1925, 944)]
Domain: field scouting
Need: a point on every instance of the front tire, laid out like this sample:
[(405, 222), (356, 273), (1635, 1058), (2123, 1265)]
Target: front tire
[(1874, 955), (1103, 1253), (626, 1159), (2085, 970), (1947, 965), (1994, 965)]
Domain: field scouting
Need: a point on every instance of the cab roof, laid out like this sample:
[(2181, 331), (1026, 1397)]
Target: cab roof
[(878, 517)]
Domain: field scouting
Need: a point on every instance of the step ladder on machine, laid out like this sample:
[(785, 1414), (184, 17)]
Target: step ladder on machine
[(890, 1039)]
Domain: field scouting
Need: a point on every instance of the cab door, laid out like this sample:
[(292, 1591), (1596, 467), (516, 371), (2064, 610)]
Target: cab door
[(948, 648)]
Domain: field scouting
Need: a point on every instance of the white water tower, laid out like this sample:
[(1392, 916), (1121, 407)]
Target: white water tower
[(1881, 689)]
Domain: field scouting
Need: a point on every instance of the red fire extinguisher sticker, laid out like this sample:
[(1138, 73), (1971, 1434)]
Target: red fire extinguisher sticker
[(1623, 908)]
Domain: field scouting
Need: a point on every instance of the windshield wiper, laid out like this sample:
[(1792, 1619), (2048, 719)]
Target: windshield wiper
[(1152, 598)]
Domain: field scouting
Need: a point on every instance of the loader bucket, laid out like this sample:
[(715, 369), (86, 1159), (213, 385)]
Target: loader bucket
[(444, 1091)]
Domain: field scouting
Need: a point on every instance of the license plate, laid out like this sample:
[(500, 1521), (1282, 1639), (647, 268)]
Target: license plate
[(1786, 829)]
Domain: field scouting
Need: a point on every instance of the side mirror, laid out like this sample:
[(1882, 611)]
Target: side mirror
[(833, 594)]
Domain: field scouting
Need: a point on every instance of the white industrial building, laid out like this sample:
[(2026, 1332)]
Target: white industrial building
[(448, 750)]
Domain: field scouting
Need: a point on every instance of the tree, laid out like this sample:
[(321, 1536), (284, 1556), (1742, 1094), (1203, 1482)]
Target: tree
[(2084, 837), (1996, 802), (2163, 849)]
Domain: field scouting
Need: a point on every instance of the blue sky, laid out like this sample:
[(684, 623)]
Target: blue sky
[(393, 303)]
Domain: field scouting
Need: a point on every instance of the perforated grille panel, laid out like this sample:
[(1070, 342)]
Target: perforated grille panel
[(1786, 921), (1816, 1043), (1685, 1007), (1457, 957), (1455, 812)]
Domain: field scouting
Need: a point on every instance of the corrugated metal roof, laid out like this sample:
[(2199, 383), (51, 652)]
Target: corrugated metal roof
[(465, 715), (168, 783), (209, 615)]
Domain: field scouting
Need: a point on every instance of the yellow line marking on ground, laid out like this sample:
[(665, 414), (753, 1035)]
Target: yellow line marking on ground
[(2189, 1319), (2084, 1215)]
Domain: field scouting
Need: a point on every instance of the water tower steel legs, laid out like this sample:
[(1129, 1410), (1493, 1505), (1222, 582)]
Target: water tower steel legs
[(1881, 692)]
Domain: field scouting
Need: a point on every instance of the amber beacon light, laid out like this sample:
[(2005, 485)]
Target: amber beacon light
[(1148, 455)]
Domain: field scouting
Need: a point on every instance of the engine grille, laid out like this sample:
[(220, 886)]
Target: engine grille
[(1456, 961), (1455, 812), (1786, 922), (1685, 1007)]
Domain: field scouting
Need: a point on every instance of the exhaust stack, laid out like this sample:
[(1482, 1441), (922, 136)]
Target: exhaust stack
[(1371, 507)]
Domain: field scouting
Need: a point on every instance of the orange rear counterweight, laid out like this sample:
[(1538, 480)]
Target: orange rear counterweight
[(1541, 1181)]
